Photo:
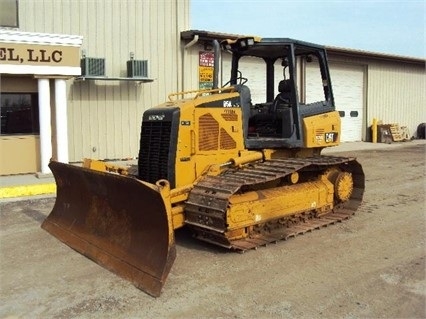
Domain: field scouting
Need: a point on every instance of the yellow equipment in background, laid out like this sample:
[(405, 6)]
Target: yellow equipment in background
[(238, 174)]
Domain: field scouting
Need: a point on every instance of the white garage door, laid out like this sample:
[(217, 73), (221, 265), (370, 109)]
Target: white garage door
[(348, 90)]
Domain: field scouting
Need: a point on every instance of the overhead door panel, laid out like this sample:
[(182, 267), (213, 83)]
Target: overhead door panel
[(348, 89)]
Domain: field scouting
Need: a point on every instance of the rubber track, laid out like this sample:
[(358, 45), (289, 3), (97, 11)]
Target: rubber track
[(210, 198)]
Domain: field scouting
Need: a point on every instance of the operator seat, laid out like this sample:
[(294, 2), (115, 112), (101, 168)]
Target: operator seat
[(282, 109), (283, 97)]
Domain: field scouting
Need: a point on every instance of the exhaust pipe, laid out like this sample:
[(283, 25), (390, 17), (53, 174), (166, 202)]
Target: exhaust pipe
[(216, 51)]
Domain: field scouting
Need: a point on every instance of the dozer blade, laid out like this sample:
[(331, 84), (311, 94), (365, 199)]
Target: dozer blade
[(119, 222)]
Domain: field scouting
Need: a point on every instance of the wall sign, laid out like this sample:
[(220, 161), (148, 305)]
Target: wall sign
[(205, 70), (33, 54)]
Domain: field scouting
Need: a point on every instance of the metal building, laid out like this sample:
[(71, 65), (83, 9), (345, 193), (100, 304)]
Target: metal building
[(370, 85), (76, 76), (131, 60)]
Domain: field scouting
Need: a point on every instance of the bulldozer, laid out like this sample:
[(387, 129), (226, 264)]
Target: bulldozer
[(238, 172)]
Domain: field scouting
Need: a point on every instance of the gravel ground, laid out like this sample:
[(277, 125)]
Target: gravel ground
[(371, 266)]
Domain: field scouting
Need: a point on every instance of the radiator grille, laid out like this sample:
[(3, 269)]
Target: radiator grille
[(230, 117), (208, 133), (154, 151), (226, 141)]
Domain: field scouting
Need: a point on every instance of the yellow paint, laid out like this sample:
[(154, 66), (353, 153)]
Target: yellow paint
[(178, 216), (374, 131), (319, 130), (211, 136), (104, 167), (27, 190), (344, 186), (249, 157), (263, 205), (294, 177)]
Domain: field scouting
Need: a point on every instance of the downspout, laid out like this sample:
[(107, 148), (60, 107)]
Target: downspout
[(187, 46), (192, 42)]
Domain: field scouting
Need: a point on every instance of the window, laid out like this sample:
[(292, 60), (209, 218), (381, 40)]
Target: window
[(9, 13), (314, 80), (19, 113), (254, 69)]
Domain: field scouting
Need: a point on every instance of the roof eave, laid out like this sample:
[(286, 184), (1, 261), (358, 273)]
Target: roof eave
[(373, 55)]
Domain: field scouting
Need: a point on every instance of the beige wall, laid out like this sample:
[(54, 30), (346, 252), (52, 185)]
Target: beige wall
[(18, 84), (395, 90), (105, 116), (396, 94)]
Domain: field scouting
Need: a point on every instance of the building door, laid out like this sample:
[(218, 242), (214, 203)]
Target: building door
[(348, 89), (19, 131)]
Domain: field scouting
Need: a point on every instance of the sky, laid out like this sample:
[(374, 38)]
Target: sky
[(386, 26)]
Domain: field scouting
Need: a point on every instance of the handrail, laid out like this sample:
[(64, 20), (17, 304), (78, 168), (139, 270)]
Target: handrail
[(201, 92)]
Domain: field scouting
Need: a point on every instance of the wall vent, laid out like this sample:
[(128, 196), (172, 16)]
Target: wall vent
[(92, 66), (137, 68)]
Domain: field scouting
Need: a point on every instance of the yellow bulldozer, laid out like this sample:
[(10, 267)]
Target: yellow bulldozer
[(238, 173)]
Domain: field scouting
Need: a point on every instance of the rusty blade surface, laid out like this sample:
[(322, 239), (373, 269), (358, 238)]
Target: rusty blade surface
[(119, 222)]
